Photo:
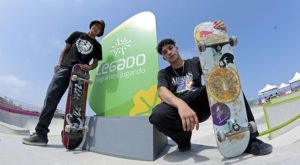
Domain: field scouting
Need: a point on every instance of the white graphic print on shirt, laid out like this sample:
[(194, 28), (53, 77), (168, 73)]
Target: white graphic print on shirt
[(183, 83), (84, 47)]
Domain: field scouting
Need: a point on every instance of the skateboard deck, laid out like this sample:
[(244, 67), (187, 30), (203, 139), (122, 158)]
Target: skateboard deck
[(74, 119), (223, 87)]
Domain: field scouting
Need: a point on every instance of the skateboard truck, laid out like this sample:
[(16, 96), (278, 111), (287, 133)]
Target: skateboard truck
[(236, 129), (217, 46), (69, 129), (234, 125), (75, 78), (252, 127)]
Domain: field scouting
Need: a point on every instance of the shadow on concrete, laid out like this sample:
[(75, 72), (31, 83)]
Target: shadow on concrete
[(55, 146), (177, 156), (238, 159)]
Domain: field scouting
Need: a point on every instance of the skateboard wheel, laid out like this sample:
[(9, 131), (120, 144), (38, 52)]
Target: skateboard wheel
[(233, 41), (221, 136), (74, 77), (67, 128), (235, 127), (201, 46), (252, 127)]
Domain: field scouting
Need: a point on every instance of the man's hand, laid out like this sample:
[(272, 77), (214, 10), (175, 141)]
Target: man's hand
[(85, 67), (188, 117), (56, 68), (220, 25)]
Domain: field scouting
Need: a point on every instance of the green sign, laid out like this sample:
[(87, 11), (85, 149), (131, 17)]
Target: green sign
[(125, 80)]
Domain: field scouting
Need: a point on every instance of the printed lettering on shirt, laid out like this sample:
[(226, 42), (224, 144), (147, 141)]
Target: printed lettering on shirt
[(183, 83)]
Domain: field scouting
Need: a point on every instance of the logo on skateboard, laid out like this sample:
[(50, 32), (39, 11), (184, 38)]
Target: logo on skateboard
[(226, 59), (220, 113), (223, 84), (209, 35), (74, 121), (200, 35)]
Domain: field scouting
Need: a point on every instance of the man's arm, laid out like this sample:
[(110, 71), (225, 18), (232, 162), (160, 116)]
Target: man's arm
[(62, 56), (188, 116), (63, 53), (168, 97)]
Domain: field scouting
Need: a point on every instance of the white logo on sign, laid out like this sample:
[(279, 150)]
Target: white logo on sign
[(120, 46), (84, 47)]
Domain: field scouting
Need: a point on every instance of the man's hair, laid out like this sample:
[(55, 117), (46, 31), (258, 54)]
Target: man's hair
[(164, 42)]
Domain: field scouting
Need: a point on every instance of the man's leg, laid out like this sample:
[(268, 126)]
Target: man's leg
[(256, 146), (167, 120), (55, 91)]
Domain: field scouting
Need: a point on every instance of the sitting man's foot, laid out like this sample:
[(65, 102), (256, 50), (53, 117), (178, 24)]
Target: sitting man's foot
[(35, 140), (258, 147), (184, 148)]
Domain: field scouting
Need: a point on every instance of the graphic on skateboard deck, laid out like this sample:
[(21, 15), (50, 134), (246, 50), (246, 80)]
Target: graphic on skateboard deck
[(74, 119), (223, 86)]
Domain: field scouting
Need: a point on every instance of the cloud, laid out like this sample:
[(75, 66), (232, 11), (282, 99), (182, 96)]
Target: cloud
[(16, 89), (11, 84), (20, 92)]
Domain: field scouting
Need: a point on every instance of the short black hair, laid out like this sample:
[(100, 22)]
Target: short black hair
[(167, 41)]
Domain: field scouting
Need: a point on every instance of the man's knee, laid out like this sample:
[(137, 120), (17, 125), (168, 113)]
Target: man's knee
[(155, 117), (159, 114)]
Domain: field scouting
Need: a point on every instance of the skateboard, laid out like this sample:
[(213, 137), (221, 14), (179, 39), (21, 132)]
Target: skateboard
[(74, 119), (226, 101)]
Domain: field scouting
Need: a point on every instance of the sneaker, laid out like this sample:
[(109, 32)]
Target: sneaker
[(258, 147), (184, 148), (35, 140)]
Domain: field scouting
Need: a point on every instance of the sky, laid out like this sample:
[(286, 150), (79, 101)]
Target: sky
[(33, 34)]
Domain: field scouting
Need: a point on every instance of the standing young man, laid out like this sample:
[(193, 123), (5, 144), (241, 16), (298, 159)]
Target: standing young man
[(81, 48), (185, 102)]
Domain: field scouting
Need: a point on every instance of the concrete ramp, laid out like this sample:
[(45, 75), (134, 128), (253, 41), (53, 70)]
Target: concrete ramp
[(28, 122), (17, 119), (11, 129)]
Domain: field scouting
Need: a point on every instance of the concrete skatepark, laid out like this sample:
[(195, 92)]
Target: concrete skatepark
[(204, 150)]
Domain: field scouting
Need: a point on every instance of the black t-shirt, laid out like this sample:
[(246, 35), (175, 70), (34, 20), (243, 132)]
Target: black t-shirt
[(181, 80), (82, 51)]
